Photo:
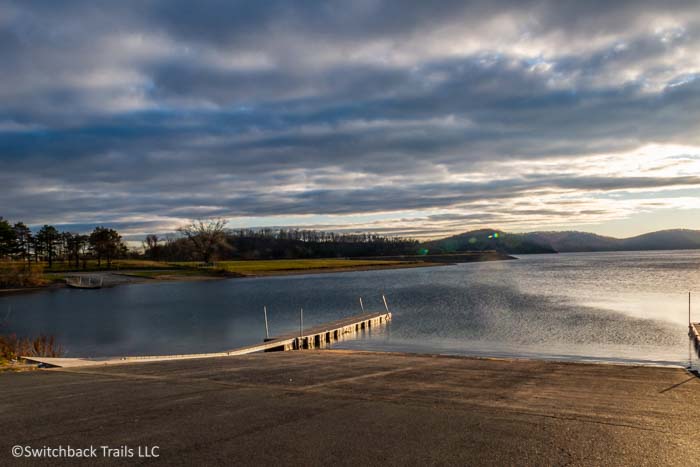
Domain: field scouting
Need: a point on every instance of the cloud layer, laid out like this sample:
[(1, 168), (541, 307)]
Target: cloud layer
[(400, 117)]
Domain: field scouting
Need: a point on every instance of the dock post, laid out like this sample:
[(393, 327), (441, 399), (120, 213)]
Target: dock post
[(267, 329), (301, 322), (385, 305), (361, 305), (689, 322)]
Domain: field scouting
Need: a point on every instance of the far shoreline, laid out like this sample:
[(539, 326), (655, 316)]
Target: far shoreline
[(118, 276)]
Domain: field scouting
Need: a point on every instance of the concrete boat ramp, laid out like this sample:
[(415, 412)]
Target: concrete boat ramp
[(315, 337), (357, 408)]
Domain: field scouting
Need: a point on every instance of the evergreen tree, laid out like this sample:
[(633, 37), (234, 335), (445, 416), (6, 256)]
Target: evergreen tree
[(48, 237), (24, 241), (8, 239)]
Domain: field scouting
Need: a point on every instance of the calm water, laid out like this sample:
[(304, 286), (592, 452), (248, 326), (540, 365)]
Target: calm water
[(594, 306)]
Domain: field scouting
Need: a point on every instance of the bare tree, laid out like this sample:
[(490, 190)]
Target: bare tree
[(206, 235), (75, 246), (151, 246)]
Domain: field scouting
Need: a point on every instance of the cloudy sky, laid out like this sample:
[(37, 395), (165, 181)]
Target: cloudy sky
[(402, 117)]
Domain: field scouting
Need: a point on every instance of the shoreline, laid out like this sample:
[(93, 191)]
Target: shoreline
[(93, 362), (144, 276), (187, 273)]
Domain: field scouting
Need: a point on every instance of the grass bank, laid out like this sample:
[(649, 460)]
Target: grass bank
[(15, 276), (269, 268), (139, 269), (13, 347)]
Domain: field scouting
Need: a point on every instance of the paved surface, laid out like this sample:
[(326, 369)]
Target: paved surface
[(353, 408)]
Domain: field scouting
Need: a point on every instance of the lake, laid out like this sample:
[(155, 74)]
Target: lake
[(619, 307)]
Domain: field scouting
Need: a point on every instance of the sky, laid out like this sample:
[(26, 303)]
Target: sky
[(405, 117)]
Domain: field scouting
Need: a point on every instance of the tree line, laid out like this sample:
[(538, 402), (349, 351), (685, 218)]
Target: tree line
[(19, 242), (210, 240), (201, 240)]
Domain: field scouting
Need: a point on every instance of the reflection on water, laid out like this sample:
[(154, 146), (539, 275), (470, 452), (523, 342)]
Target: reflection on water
[(600, 306)]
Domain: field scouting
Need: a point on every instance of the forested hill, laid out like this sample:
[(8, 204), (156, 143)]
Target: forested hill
[(676, 239), (481, 240), (551, 242)]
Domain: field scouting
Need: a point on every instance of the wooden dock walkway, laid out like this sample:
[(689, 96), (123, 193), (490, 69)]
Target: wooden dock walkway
[(321, 335), (315, 337), (694, 333)]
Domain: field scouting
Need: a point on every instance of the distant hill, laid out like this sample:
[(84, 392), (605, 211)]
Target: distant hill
[(575, 241), (677, 239), (552, 242), (483, 240)]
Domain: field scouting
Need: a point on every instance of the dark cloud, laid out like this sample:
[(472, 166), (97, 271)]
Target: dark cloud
[(167, 110)]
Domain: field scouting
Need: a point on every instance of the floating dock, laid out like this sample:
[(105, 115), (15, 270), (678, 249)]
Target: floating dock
[(89, 283), (320, 336), (315, 337), (694, 333)]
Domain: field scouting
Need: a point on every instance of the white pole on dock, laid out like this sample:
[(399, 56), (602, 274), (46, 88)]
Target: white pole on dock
[(385, 305), (688, 309), (267, 329), (361, 305), (301, 322)]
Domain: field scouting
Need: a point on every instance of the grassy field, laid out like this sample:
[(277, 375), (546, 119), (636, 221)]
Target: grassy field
[(175, 273), (268, 266), (173, 270), (264, 267), (117, 264)]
